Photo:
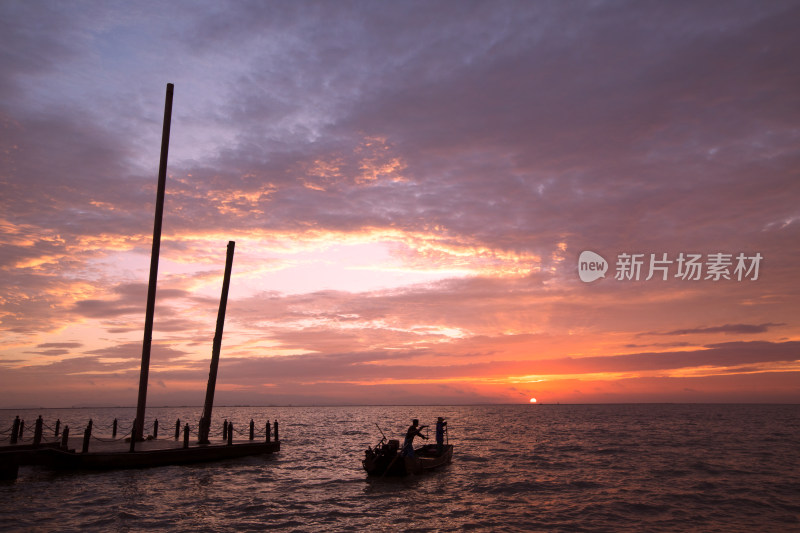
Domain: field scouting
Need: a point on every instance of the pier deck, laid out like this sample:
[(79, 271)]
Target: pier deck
[(116, 454)]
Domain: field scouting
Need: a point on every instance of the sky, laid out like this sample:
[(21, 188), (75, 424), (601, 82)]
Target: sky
[(444, 202)]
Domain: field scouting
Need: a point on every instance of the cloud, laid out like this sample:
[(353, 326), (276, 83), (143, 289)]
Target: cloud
[(480, 146), (731, 354), (51, 352), (122, 353), (392, 366), (56, 345), (731, 329)]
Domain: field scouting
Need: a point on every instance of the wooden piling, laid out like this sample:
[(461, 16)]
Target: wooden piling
[(155, 429), (87, 434), (133, 437), (177, 428), (151, 289), (114, 429), (225, 430), (15, 430), (21, 428), (186, 436), (58, 426), (65, 438), (37, 432), (205, 424), (268, 430), (252, 429), (230, 433), (276, 431)]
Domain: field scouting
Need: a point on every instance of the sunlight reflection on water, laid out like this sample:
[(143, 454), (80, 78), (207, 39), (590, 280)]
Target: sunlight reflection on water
[(653, 467)]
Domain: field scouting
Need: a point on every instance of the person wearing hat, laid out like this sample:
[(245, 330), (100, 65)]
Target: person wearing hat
[(440, 428)]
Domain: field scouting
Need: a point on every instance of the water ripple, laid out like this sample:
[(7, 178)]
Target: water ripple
[(516, 468)]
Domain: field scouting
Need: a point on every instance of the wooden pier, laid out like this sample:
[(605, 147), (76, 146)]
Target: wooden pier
[(88, 452)]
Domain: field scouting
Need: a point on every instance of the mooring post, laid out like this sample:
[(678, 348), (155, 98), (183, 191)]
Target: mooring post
[(21, 428), (58, 426), (225, 430), (276, 431), (186, 436), (37, 432), (268, 429), (252, 429), (87, 433), (230, 433), (15, 430), (65, 438), (151, 288), (205, 425), (177, 428), (133, 436), (155, 429), (114, 429)]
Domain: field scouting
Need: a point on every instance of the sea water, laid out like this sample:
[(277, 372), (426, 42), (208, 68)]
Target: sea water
[(515, 468)]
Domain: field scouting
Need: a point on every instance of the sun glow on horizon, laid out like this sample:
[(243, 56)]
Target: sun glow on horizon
[(533, 400)]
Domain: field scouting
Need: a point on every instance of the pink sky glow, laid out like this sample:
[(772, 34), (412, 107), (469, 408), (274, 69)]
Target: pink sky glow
[(410, 186)]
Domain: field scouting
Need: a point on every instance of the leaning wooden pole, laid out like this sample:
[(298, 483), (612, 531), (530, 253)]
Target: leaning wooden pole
[(205, 421), (151, 289)]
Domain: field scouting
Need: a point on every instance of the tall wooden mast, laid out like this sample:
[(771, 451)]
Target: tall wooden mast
[(205, 421), (151, 289)]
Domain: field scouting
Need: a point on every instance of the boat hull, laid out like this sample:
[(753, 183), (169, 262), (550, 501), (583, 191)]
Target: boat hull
[(428, 457)]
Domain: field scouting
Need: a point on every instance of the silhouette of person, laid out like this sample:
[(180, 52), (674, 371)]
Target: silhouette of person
[(413, 430), (440, 427)]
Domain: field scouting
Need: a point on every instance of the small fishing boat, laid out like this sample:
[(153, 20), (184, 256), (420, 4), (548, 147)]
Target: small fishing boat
[(386, 459)]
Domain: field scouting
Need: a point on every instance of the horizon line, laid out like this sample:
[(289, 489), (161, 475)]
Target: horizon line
[(400, 405)]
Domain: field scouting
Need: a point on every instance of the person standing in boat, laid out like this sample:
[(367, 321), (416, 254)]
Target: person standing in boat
[(413, 430), (440, 429)]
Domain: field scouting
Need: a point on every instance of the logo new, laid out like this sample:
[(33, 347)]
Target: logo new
[(591, 266)]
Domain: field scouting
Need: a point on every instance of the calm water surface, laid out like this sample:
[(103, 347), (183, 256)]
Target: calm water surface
[(515, 468)]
